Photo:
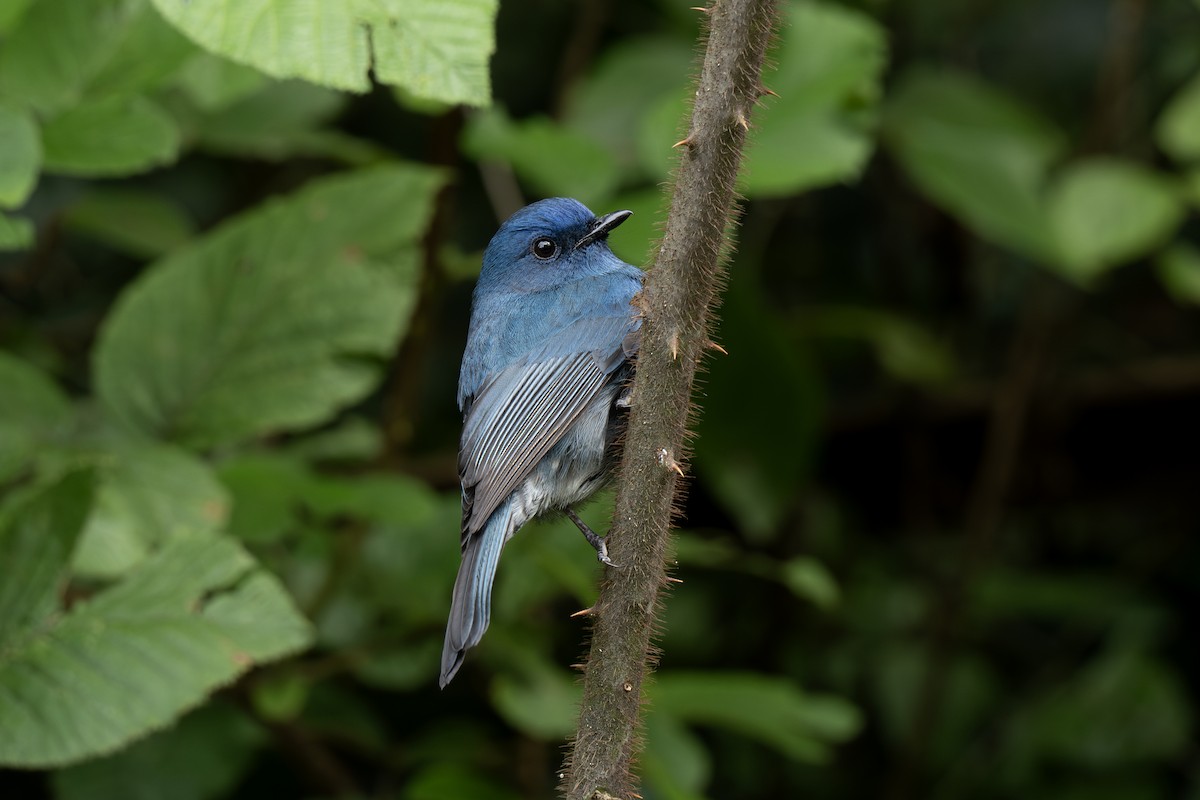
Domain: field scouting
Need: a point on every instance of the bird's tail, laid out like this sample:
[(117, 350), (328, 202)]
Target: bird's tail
[(471, 606)]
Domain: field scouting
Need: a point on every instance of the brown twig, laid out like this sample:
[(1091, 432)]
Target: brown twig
[(675, 305)]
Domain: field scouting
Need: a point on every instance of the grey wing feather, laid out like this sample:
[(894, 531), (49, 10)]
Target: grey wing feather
[(524, 410)]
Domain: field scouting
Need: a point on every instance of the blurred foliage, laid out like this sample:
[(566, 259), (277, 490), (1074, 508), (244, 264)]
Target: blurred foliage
[(941, 538)]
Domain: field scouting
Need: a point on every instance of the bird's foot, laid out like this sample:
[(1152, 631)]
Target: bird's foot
[(594, 539)]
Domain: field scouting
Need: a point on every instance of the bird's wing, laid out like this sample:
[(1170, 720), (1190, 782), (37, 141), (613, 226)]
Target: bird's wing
[(524, 410)]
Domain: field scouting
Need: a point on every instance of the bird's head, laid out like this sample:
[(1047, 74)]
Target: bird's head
[(550, 243)]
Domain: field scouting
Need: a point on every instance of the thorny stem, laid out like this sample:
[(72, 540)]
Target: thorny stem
[(680, 291)]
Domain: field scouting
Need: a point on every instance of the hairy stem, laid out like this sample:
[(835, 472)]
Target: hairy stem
[(680, 292)]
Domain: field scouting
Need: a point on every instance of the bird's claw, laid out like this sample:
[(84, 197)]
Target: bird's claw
[(602, 556)]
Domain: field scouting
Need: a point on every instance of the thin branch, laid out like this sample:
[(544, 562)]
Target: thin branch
[(675, 305)]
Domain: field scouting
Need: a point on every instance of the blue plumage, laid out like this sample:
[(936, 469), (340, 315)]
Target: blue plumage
[(548, 353)]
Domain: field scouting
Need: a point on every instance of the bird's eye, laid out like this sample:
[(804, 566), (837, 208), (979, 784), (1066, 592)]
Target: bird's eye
[(545, 248)]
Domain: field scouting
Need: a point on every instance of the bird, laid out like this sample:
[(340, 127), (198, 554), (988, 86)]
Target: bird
[(543, 391)]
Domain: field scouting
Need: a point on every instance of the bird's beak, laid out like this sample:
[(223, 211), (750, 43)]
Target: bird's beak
[(601, 227)]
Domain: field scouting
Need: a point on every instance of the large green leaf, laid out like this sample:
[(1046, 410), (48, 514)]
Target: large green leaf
[(977, 153), (261, 325), (772, 710), (31, 409), (1105, 212), (38, 530), (111, 137), (1178, 129), (437, 49), (190, 619), (20, 156), (553, 159), (62, 52), (147, 494), (200, 758), (820, 129)]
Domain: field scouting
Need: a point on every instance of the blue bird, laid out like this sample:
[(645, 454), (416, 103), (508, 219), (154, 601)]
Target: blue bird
[(542, 390)]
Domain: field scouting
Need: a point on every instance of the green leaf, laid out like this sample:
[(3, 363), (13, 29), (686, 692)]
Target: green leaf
[(38, 530), (354, 439), (202, 757), (542, 701), (1179, 272), (405, 569), (260, 326), (820, 129), (267, 492), (283, 120), (192, 618), (113, 137), (773, 710), (135, 221), (11, 12), (147, 55), (553, 159), (20, 157), (54, 49), (977, 153), (64, 52), (629, 80), (811, 580), (435, 49), (16, 233), (214, 83), (281, 696), (1178, 129), (32, 408), (1105, 212), (676, 764), (148, 494)]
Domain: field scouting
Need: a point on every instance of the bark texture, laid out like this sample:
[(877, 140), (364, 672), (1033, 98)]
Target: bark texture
[(681, 291)]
